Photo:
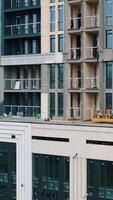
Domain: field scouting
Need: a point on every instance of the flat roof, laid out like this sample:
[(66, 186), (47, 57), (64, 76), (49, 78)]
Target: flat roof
[(18, 119)]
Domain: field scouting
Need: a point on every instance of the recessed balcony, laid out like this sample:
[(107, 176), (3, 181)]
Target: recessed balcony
[(91, 83), (74, 24), (91, 53), (75, 83), (74, 113), (22, 29), (22, 84), (92, 22), (75, 53)]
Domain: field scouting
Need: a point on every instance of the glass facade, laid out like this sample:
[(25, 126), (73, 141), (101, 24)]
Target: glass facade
[(7, 171), (109, 100), (56, 76), (109, 11), (52, 43), (50, 177), (52, 104), (99, 180), (56, 89), (108, 75), (109, 38), (60, 17), (52, 18)]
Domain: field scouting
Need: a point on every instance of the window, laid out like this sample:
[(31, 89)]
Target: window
[(60, 75), (99, 179), (56, 76), (52, 104), (52, 43), (109, 12), (109, 38), (60, 18), (53, 180), (60, 104), (109, 100), (52, 1), (26, 47), (52, 18), (60, 43), (108, 75), (34, 46), (52, 76)]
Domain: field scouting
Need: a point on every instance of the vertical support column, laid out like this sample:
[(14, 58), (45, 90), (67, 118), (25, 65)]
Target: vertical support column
[(44, 91), (101, 86), (66, 93), (74, 184), (1, 84), (84, 178)]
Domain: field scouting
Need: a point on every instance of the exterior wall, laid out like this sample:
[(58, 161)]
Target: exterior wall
[(76, 149), (21, 136)]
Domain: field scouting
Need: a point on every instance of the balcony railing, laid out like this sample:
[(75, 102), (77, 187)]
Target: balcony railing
[(92, 21), (22, 84), (75, 53), (75, 112), (22, 29), (23, 111), (75, 83), (91, 53), (15, 4), (91, 82), (74, 23)]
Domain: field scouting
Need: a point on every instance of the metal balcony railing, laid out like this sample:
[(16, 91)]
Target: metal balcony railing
[(15, 4), (75, 83), (22, 84), (75, 112), (22, 29), (91, 52), (74, 23), (92, 21), (91, 82), (75, 53), (22, 110)]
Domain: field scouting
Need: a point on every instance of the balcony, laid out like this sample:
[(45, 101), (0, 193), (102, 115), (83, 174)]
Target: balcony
[(75, 113), (91, 53), (75, 53), (15, 5), (75, 83), (74, 1), (22, 110), (74, 24), (22, 29), (22, 84), (91, 83), (92, 22)]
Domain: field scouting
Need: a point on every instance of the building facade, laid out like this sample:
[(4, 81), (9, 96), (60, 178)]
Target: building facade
[(56, 161), (56, 57)]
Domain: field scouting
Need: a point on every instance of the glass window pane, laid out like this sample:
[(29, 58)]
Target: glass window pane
[(109, 38), (52, 104), (60, 104), (108, 75), (109, 100), (60, 75), (52, 76)]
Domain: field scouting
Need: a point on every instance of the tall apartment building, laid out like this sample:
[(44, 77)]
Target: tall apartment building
[(55, 61), (56, 57)]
